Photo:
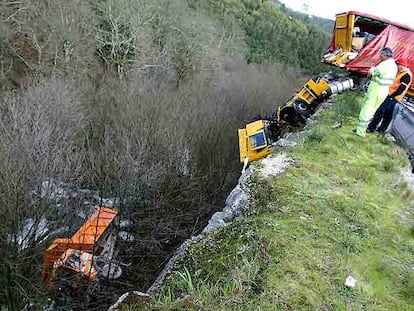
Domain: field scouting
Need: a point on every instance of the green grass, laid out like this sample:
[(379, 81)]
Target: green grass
[(340, 210)]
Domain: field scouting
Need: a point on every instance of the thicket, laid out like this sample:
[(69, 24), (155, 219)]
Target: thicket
[(272, 34), (138, 100)]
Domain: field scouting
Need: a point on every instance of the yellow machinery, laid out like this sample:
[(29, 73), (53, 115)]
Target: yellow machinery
[(344, 44), (358, 38), (257, 138), (253, 142)]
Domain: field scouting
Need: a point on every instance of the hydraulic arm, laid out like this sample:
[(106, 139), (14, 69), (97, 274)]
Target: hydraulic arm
[(257, 138)]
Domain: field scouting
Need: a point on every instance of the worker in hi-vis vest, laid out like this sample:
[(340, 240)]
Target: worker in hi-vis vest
[(382, 77), (396, 93)]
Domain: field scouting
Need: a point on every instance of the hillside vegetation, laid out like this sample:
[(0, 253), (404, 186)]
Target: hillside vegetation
[(174, 37), (137, 100), (342, 209), (326, 24), (272, 34)]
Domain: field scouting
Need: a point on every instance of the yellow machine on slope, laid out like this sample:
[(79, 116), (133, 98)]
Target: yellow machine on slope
[(356, 43), (257, 138)]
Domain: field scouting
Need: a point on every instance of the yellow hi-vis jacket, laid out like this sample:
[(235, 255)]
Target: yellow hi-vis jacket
[(397, 83), (382, 77), (384, 73)]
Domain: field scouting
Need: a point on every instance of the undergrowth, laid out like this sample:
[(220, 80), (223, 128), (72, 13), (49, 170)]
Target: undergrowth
[(340, 210)]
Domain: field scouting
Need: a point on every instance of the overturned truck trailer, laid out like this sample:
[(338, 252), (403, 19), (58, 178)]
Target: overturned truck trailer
[(358, 39)]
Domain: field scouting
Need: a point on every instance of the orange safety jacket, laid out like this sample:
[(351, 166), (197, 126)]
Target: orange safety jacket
[(397, 83)]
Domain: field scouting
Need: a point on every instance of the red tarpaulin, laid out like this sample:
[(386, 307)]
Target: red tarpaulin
[(399, 40)]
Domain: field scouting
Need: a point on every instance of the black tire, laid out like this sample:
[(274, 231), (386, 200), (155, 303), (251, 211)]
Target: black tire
[(302, 108), (292, 117)]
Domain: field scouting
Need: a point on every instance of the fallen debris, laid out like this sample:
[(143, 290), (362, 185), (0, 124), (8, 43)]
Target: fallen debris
[(350, 282), (130, 297), (337, 125)]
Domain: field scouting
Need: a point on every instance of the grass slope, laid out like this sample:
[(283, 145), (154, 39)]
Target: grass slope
[(341, 209)]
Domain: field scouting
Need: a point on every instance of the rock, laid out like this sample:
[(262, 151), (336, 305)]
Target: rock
[(389, 137), (110, 202), (111, 271), (284, 143), (178, 254), (350, 282), (296, 136), (214, 222), (124, 223), (31, 230), (125, 236), (337, 124), (237, 201), (274, 165), (226, 215), (244, 179)]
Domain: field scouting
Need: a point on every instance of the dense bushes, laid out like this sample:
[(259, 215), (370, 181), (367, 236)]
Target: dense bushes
[(38, 132), (159, 37), (271, 34), (173, 37)]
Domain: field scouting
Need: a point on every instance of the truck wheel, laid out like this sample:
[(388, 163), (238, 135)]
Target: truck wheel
[(302, 108)]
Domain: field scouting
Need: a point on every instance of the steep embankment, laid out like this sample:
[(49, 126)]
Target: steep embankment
[(341, 209)]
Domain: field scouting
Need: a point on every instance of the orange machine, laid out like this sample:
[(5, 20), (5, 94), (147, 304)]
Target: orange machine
[(80, 252)]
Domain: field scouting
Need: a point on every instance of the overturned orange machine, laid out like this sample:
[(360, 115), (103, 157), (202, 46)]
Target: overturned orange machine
[(89, 252)]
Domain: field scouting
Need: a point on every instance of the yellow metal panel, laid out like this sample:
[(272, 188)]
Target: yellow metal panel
[(254, 127), (344, 26), (245, 148), (242, 144), (341, 21), (312, 90), (320, 87), (350, 31), (340, 38), (257, 155)]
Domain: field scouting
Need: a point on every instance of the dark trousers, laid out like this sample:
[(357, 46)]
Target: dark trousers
[(384, 113)]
